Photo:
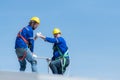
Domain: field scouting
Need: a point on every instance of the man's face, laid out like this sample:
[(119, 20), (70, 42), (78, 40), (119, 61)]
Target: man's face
[(35, 26), (56, 35)]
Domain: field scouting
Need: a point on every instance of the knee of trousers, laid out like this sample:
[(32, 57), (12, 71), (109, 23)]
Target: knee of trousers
[(51, 64), (33, 62)]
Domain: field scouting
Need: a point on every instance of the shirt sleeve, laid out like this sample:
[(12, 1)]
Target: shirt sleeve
[(31, 40), (53, 40)]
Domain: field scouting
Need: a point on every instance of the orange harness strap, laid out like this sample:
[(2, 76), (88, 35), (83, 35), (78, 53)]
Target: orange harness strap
[(23, 57), (19, 35)]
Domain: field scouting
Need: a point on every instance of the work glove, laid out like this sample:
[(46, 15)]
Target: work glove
[(48, 59), (37, 35), (34, 55)]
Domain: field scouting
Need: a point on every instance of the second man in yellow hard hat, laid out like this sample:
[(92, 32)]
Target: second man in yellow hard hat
[(60, 59)]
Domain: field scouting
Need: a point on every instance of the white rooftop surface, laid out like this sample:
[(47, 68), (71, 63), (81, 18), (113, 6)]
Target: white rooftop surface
[(4, 75)]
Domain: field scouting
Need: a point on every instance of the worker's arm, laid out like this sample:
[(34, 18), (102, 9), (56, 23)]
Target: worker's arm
[(31, 40), (51, 40), (40, 35)]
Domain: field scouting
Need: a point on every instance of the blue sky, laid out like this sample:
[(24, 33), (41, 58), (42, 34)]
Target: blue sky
[(90, 27)]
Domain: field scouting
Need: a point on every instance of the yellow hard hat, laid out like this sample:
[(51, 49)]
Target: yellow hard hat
[(56, 31), (35, 19)]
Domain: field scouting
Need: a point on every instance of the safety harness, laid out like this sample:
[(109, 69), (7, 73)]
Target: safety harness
[(26, 41), (62, 57), (19, 35)]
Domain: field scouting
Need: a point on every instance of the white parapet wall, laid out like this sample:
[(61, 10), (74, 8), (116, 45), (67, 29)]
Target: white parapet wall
[(33, 76)]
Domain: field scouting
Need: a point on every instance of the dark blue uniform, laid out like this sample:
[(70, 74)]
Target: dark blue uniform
[(58, 65), (61, 43), (27, 33)]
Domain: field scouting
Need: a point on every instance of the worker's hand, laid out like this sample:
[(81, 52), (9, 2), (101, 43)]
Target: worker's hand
[(37, 35), (48, 59), (34, 55), (41, 36)]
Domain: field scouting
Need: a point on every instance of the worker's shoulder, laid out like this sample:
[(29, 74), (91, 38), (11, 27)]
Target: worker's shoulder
[(28, 28), (61, 38)]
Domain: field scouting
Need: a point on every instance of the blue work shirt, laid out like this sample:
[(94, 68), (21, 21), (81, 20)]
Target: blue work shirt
[(27, 33), (61, 43)]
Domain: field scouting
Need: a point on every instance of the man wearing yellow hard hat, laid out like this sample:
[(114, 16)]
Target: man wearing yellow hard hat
[(24, 45), (60, 59)]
